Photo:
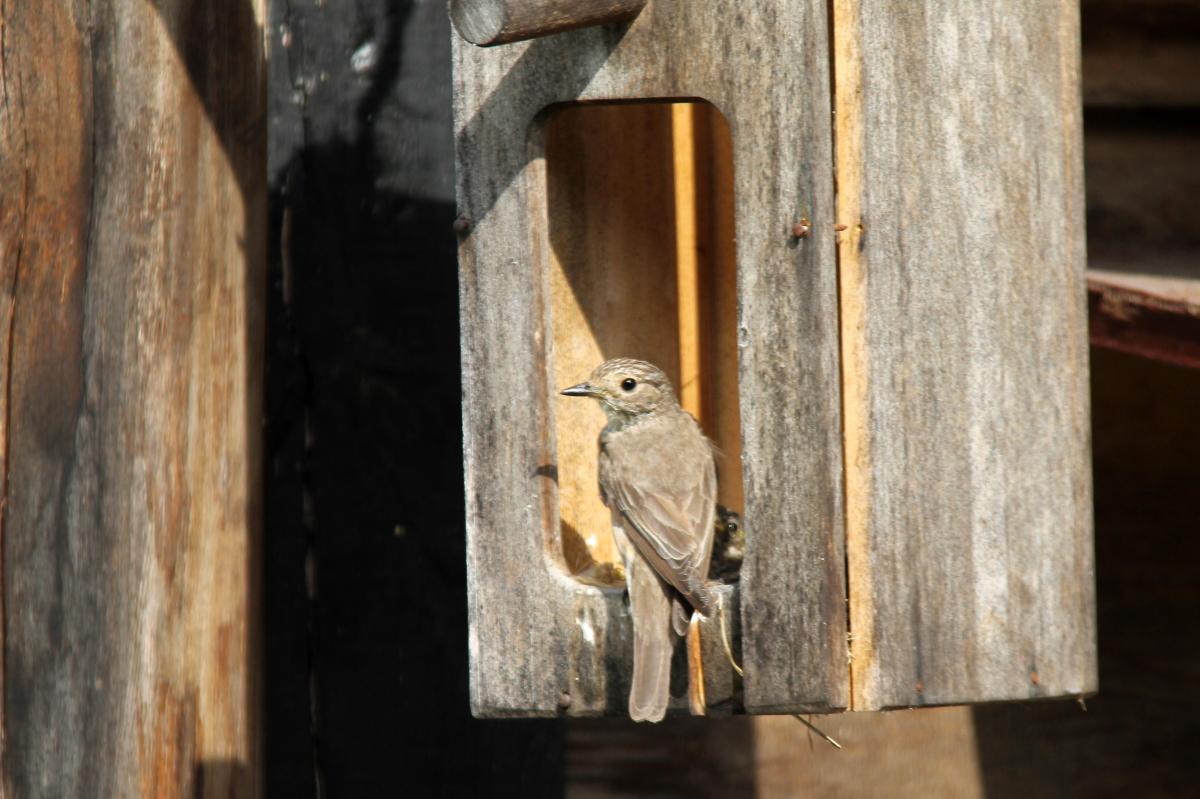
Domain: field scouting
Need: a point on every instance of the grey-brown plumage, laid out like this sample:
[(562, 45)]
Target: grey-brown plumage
[(658, 478)]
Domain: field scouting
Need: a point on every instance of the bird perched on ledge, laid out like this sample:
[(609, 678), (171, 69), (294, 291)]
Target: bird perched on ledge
[(658, 478)]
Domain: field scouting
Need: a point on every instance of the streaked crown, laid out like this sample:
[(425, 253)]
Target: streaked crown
[(628, 388)]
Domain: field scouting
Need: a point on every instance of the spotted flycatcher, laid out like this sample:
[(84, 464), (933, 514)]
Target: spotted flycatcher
[(658, 479)]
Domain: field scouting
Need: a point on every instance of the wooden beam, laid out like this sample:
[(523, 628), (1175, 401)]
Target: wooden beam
[(492, 22), (1145, 315), (132, 259)]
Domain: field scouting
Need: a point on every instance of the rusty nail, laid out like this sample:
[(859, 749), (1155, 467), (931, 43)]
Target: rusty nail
[(920, 686), (462, 225), (564, 701), (839, 227), (1033, 677), (800, 229)]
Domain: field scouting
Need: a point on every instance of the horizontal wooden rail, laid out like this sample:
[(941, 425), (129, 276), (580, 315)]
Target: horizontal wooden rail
[(1148, 316), (490, 22)]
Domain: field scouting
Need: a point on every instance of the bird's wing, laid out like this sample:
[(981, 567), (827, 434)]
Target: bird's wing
[(672, 531)]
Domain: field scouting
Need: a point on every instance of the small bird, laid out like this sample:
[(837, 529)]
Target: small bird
[(658, 478), (729, 546)]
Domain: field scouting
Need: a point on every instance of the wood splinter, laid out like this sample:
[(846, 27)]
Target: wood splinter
[(696, 700)]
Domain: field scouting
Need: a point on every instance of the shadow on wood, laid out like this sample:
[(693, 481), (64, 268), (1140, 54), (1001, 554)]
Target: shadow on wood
[(364, 452), (222, 778)]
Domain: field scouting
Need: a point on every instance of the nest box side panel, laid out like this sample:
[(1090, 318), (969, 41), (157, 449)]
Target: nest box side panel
[(536, 635), (969, 523)]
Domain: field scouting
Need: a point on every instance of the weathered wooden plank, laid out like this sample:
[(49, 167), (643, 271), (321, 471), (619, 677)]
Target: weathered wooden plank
[(490, 22), (905, 754), (535, 634), (609, 758), (1162, 287), (1153, 317), (897, 754), (964, 350), (131, 243)]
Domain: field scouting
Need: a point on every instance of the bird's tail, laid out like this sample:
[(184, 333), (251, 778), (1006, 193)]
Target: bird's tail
[(699, 596), (653, 642)]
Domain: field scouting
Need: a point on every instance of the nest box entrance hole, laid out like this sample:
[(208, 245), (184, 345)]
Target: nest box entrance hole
[(642, 264)]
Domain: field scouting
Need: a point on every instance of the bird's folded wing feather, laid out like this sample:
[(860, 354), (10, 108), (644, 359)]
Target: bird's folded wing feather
[(676, 529)]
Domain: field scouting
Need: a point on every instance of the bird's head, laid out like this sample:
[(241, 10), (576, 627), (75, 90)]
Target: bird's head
[(627, 389)]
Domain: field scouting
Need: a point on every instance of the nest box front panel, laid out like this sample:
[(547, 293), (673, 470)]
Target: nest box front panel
[(541, 641)]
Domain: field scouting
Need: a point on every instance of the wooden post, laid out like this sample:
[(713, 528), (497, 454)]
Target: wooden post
[(490, 22), (132, 257)]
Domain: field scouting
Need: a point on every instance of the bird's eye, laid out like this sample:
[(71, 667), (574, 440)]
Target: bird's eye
[(628, 384)]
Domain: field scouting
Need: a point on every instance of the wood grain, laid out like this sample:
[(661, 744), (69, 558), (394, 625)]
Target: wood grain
[(1156, 318), (969, 527), (132, 260), (492, 22), (536, 634), (895, 754), (931, 752), (611, 208)]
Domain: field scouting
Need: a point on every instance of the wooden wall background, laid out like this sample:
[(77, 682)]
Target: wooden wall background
[(364, 683), (132, 279)]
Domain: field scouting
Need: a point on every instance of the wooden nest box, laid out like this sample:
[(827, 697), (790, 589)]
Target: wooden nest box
[(857, 246)]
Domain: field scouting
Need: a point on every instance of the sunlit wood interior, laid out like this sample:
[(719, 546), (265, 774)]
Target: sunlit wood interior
[(640, 212)]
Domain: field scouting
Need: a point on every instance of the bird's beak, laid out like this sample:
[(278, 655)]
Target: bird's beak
[(580, 390)]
